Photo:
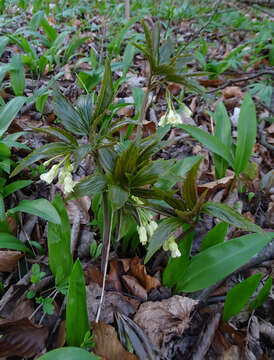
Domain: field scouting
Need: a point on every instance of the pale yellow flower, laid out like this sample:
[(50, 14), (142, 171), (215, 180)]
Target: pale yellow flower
[(171, 117), (142, 234), (65, 178), (151, 227), (171, 245), (49, 176)]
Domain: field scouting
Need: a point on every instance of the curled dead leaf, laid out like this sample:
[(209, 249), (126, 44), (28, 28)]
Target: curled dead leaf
[(139, 271), (22, 338), (161, 320), (107, 344), (9, 260), (134, 287)]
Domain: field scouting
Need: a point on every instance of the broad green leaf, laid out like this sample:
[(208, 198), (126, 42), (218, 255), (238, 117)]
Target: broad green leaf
[(17, 75), (9, 111), (60, 258), (156, 41), (216, 262), (68, 115), (214, 144), (41, 102), (39, 207), (176, 267), (189, 189), (247, 127), (262, 296), (230, 216), (215, 236), (149, 174), (46, 151), (138, 96), (91, 185), (118, 196), (49, 30), (3, 43), (8, 241), (76, 310), (237, 298), (4, 151), (106, 93), (14, 186), (107, 159), (223, 133), (4, 68), (68, 353), (163, 232)]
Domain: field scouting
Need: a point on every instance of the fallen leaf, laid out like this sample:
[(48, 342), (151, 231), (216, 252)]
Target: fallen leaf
[(232, 91), (80, 205), (93, 275), (113, 279), (139, 271), (211, 186), (134, 287), (61, 335), (9, 260), (107, 344), (22, 338), (162, 320), (113, 301)]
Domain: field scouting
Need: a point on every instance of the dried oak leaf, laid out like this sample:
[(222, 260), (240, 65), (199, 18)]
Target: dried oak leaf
[(162, 320), (107, 344), (93, 275), (22, 338), (9, 260), (139, 271)]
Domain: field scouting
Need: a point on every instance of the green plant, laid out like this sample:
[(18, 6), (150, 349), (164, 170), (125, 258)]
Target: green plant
[(70, 353), (226, 153), (238, 297)]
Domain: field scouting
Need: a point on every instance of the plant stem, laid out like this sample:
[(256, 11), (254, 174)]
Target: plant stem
[(106, 231), (143, 108), (105, 268)]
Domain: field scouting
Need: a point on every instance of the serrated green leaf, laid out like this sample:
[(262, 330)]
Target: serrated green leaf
[(189, 189), (118, 196), (68, 115), (60, 258), (90, 185), (215, 236), (39, 207), (230, 216), (262, 296), (215, 263), (76, 309), (247, 127), (46, 151), (163, 232), (106, 94), (237, 298), (8, 241), (214, 144)]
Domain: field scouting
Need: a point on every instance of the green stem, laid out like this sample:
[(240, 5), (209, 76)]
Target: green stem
[(143, 109)]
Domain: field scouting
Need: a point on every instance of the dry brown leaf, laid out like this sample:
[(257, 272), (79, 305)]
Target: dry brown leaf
[(233, 353), (113, 279), (134, 287), (212, 82), (22, 338), (232, 91), (68, 74), (93, 275), (113, 301), (81, 205), (107, 344), (9, 260), (22, 309), (61, 335), (139, 271), (162, 320), (211, 186)]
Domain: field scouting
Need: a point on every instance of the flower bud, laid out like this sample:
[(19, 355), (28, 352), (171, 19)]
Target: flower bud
[(142, 234)]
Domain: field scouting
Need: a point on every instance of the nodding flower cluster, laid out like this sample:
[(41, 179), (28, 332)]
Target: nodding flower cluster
[(64, 177), (171, 245), (171, 117)]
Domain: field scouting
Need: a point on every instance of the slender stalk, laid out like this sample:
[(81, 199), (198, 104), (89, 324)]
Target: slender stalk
[(143, 108), (106, 231), (105, 269)]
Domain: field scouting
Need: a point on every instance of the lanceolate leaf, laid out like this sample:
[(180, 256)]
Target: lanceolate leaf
[(189, 190), (39, 207), (4, 226), (263, 295), (230, 216), (163, 232), (60, 258), (215, 236), (118, 196), (76, 310), (247, 126), (14, 186), (46, 151), (106, 93), (17, 75), (220, 260), (214, 144), (61, 134), (91, 185), (8, 241), (9, 111), (238, 296)]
